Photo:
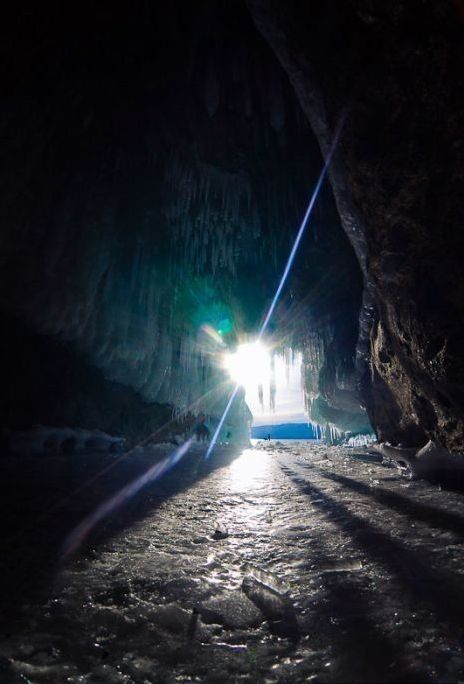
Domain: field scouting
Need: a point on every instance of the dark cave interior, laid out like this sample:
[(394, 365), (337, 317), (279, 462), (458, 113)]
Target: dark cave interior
[(154, 197), (158, 159), (158, 163)]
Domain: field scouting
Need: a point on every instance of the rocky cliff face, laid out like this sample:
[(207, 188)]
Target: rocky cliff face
[(158, 165), (392, 71)]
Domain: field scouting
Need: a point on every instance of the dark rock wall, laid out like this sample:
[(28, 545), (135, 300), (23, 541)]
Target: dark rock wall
[(393, 72)]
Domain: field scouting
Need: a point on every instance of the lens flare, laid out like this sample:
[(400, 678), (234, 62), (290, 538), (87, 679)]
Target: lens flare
[(301, 230), (154, 473), (217, 432)]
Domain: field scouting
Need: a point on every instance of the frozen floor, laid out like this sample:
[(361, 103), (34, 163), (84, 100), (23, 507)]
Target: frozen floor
[(283, 563)]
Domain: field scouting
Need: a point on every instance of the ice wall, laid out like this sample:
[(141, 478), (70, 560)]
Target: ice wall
[(153, 191)]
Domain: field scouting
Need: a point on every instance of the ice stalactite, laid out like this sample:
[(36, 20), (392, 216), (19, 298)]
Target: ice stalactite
[(313, 359), (272, 384), (329, 387), (288, 359), (335, 434), (214, 210), (361, 440)]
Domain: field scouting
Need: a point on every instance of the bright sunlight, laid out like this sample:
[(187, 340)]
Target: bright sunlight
[(249, 365)]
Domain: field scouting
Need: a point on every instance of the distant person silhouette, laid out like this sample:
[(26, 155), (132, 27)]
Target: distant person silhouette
[(201, 430)]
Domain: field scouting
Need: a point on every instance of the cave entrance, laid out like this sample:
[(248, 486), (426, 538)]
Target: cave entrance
[(274, 389)]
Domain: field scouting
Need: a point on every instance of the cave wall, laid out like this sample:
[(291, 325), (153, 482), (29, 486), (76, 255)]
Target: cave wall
[(392, 73), (157, 166), (44, 382)]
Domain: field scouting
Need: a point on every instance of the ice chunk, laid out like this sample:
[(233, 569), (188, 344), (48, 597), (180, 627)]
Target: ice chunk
[(342, 566), (267, 578), (431, 459), (276, 608), (220, 532), (232, 609), (41, 673), (179, 621)]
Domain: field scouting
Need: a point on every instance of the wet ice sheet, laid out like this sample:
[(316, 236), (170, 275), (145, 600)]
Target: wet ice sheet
[(332, 568)]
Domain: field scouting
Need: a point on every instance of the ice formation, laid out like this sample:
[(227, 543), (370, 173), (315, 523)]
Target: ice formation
[(361, 440), (430, 459), (202, 212), (48, 440)]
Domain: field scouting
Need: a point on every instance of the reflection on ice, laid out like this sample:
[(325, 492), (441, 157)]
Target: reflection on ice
[(249, 470), (283, 565)]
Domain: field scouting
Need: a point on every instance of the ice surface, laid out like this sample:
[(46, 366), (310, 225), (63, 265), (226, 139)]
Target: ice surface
[(322, 577)]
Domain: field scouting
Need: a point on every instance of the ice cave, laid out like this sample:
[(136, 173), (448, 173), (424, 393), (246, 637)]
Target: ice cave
[(232, 350)]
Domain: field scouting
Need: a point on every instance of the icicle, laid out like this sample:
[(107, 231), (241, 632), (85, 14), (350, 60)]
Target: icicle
[(287, 365), (272, 385)]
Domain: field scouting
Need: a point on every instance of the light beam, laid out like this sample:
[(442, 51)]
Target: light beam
[(287, 268), (77, 536), (221, 422), (301, 231)]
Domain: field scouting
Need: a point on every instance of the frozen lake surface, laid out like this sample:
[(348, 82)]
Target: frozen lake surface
[(288, 562)]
